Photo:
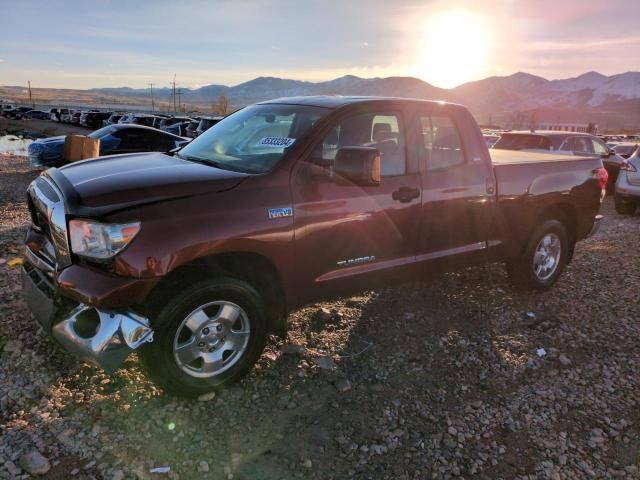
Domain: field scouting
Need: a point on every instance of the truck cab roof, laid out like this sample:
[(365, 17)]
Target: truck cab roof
[(337, 101)]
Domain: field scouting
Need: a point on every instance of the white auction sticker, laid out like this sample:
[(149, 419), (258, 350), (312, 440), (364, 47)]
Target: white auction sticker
[(277, 142)]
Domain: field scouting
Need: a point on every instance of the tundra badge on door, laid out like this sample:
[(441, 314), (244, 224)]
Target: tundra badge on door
[(280, 212)]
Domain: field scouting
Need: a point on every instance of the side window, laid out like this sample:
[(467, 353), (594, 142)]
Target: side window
[(442, 144), (161, 142), (379, 130), (132, 139), (569, 145), (599, 147), (585, 145)]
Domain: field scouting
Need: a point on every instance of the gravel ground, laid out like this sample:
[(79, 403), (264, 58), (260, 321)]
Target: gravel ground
[(418, 381)]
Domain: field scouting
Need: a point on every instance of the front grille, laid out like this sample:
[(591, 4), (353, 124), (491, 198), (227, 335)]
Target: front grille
[(47, 210)]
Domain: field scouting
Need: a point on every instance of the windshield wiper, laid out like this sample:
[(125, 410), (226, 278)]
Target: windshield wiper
[(212, 163), (204, 161)]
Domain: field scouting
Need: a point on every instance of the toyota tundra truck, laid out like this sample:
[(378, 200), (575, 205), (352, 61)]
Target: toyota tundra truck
[(192, 259)]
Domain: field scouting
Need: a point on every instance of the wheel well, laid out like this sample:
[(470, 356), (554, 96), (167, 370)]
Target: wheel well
[(565, 214), (253, 268)]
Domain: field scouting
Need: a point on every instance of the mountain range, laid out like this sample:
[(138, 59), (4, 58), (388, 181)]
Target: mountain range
[(611, 101), (591, 97)]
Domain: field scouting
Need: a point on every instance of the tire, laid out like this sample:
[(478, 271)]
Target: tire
[(532, 271), (622, 207), (241, 338)]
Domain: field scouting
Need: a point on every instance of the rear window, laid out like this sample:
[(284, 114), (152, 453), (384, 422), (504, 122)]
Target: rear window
[(511, 141)]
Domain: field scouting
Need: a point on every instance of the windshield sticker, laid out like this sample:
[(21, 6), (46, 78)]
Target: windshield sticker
[(277, 142)]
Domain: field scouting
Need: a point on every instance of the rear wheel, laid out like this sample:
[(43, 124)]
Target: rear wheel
[(206, 337), (542, 262), (624, 207)]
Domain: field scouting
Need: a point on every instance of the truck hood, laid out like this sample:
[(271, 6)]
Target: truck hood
[(120, 181)]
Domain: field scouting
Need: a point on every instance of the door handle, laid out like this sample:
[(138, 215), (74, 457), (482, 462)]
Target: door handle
[(405, 194)]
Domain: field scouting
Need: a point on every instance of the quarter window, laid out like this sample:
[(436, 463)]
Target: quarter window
[(599, 147), (442, 144)]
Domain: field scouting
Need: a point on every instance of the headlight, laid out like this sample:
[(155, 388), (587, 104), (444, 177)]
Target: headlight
[(100, 240)]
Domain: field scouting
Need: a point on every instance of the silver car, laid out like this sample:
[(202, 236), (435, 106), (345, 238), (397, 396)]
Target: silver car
[(627, 194)]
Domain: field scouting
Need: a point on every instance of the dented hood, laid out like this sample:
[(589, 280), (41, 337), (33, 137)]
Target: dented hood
[(119, 181)]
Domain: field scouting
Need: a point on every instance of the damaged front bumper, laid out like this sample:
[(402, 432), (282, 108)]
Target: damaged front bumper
[(103, 336)]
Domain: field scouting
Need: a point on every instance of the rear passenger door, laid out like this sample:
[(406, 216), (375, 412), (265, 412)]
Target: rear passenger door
[(458, 198)]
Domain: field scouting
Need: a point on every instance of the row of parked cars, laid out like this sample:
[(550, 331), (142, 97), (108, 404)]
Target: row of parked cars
[(620, 156), (181, 125)]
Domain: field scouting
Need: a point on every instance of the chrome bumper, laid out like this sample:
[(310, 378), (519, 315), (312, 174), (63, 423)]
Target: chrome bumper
[(100, 336), (105, 338)]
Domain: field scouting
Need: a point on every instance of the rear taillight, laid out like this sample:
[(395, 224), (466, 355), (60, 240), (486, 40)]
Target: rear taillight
[(602, 176), (628, 166)]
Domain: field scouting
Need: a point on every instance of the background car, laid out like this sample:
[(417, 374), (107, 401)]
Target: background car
[(17, 112), (5, 109), (167, 122), (572, 143), (139, 119), (206, 123), (626, 149), (35, 115), (114, 139), (93, 119), (66, 117), (113, 119), (627, 194), (180, 128), (56, 114), (75, 118)]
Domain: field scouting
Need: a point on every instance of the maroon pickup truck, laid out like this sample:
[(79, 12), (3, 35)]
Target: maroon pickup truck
[(193, 259)]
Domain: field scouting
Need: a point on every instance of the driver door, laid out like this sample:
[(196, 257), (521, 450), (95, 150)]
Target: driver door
[(349, 237)]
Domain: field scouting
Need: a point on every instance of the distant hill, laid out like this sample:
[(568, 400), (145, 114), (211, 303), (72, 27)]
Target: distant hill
[(614, 100)]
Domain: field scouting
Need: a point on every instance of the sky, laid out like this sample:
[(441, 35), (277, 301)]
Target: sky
[(112, 43)]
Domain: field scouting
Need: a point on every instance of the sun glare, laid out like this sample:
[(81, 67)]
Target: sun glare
[(453, 49)]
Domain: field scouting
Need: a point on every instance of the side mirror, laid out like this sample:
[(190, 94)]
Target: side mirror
[(357, 166)]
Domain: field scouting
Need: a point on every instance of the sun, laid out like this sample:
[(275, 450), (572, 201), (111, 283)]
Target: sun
[(453, 49)]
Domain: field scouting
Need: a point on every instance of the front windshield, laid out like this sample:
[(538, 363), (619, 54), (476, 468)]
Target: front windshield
[(254, 139)]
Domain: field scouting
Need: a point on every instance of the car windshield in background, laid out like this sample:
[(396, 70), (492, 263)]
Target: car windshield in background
[(101, 132), (254, 139), (522, 142)]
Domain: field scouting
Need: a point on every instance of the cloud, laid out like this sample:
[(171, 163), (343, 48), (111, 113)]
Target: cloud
[(1, 60), (364, 44)]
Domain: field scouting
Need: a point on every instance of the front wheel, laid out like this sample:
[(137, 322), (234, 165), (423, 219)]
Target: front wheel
[(206, 337), (541, 264)]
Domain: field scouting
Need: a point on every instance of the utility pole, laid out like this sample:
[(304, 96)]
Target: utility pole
[(179, 94), (153, 105), (30, 97), (174, 93)]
